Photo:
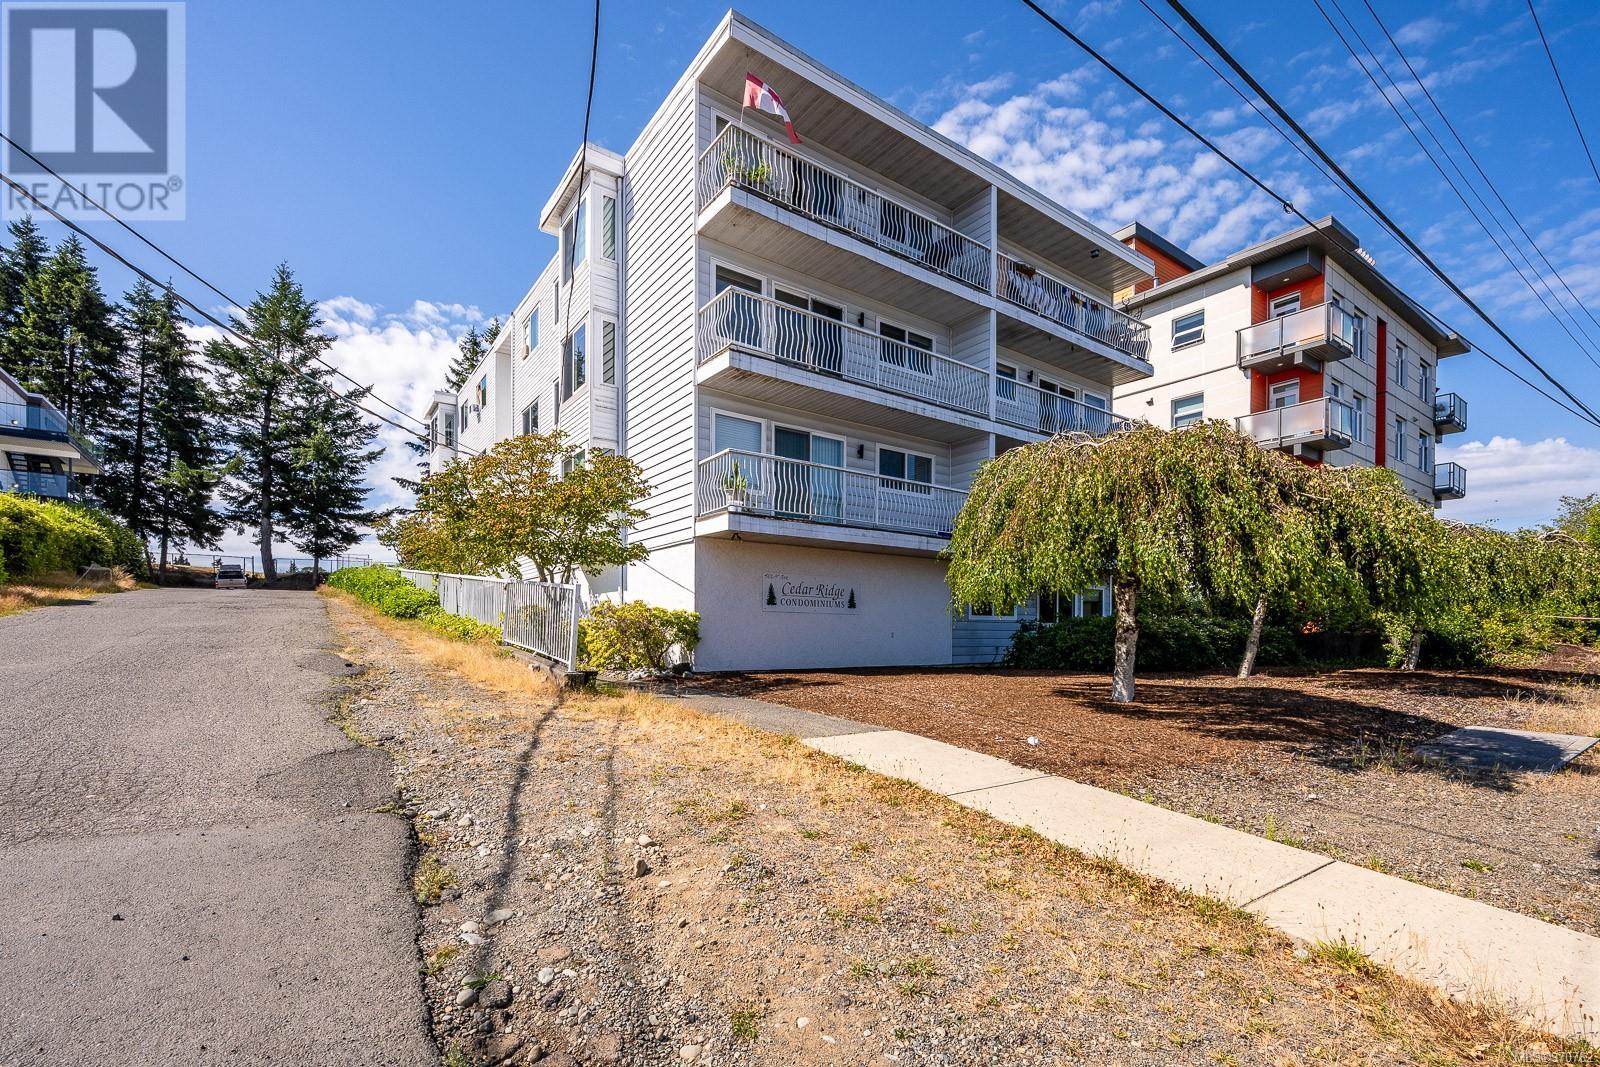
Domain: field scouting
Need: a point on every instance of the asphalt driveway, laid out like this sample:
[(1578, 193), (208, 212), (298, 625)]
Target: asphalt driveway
[(191, 865)]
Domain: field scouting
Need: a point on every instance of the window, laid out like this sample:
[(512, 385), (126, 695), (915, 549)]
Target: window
[(1189, 329), (608, 353), (1284, 305), (575, 241), (1092, 602), (1424, 381), (1005, 381), (905, 467), (1425, 450), (1099, 403), (1358, 404), (987, 611), (530, 334), (483, 395), (555, 300), (608, 227), (449, 418), (1284, 394), (898, 345), (574, 361), (530, 419), (1188, 410), (730, 431), (1399, 440), (1401, 372), (1358, 333)]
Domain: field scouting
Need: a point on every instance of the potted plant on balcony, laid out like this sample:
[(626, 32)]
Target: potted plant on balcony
[(734, 487), (743, 171)]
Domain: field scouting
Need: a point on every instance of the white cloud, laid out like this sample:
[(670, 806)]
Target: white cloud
[(1512, 483), (1421, 32), (403, 356), (1113, 164)]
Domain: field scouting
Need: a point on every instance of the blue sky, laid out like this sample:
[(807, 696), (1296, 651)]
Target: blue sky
[(396, 155)]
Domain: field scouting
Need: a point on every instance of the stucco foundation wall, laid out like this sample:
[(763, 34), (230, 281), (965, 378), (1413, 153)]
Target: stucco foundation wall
[(665, 580), (902, 614)]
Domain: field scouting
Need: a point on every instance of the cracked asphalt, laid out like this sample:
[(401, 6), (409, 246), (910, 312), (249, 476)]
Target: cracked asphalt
[(191, 865)]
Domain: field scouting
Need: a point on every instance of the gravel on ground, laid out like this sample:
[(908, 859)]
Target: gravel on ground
[(619, 879), (1318, 760)]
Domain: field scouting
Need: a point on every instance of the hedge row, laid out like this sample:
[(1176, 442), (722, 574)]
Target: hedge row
[(1166, 643), (40, 536), (394, 595)]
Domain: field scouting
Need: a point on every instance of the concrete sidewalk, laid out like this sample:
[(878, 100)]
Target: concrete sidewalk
[(1547, 973)]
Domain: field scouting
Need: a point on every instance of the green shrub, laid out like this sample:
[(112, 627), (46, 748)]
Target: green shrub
[(38, 536), (395, 596), (458, 627), (127, 551), (1166, 643), (635, 636)]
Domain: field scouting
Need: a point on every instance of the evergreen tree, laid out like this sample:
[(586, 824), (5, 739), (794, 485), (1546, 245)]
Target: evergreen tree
[(327, 505), (20, 263), (472, 347), (69, 347), (265, 386)]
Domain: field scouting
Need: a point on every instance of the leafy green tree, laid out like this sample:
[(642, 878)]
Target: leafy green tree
[(265, 385), (511, 504), (327, 502), (1579, 518)]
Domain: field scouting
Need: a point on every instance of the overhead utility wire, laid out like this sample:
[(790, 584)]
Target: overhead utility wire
[(1288, 206), (1576, 125), (1355, 188), (1583, 341)]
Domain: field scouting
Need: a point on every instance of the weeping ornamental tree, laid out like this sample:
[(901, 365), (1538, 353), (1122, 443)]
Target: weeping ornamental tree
[(1157, 514)]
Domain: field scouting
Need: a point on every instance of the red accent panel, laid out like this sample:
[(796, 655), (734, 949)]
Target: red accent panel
[(1380, 432), (1167, 268), (1310, 291)]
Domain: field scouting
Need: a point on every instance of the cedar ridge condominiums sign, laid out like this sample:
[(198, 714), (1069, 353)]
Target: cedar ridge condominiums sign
[(782, 592)]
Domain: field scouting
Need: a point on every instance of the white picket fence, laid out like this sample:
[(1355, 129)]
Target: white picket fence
[(541, 617)]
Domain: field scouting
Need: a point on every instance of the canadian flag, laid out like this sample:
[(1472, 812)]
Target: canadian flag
[(763, 97)]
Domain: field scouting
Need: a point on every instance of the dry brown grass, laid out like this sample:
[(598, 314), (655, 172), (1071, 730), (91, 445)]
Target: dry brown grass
[(1575, 711), (489, 666), (59, 588)]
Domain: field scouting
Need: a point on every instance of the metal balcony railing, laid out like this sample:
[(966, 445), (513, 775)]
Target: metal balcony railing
[(1323, 423), (1323, 331), (1449, 480), (736, 482), (38, 420), (740, 159), (1062, 303), (56, 486), (1449, 412), (1032, 408), (735, 318)]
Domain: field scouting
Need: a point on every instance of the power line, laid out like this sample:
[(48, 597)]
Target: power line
[(1473, 159), (1288, 206), (1585, 344), (1576, 125), (1356, 189), (170, 258)]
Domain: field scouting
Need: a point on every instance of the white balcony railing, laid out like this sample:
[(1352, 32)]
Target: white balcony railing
[(1065, 304), (735, 318), (1323, 423), (738, 482), (1324, 331), (1032, 408), (739, 158)]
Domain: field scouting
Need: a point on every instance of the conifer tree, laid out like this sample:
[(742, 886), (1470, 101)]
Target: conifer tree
[(69, 347), (20, 263), (326, 505), (471, 349)]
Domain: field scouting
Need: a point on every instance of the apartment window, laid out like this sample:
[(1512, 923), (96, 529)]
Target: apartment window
[(575, 240), (1424, 381), (555, 300), (1188, 410), (530, 334), (898, 351), (574, 361), (1005, 381), (530, 419), (1056, 606), (1358, 404), (731, 431), (608, 227), (1092, 602), (1284, 394), (1401, 372), (905, 467), (1189, 329), (466, 412), (1285, 305), (483, 395), (1099, 403), (987, 611), (1425, 450), (608, 353), (1399, 440)]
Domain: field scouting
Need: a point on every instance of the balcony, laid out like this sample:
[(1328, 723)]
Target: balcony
[(42, 423), (739, 159), (1321, 424), (1066, 305), (1038, 411), (737, 483), (1449, 481), (1313, 335), (29, 483), (1449, 413), (803, 339)]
